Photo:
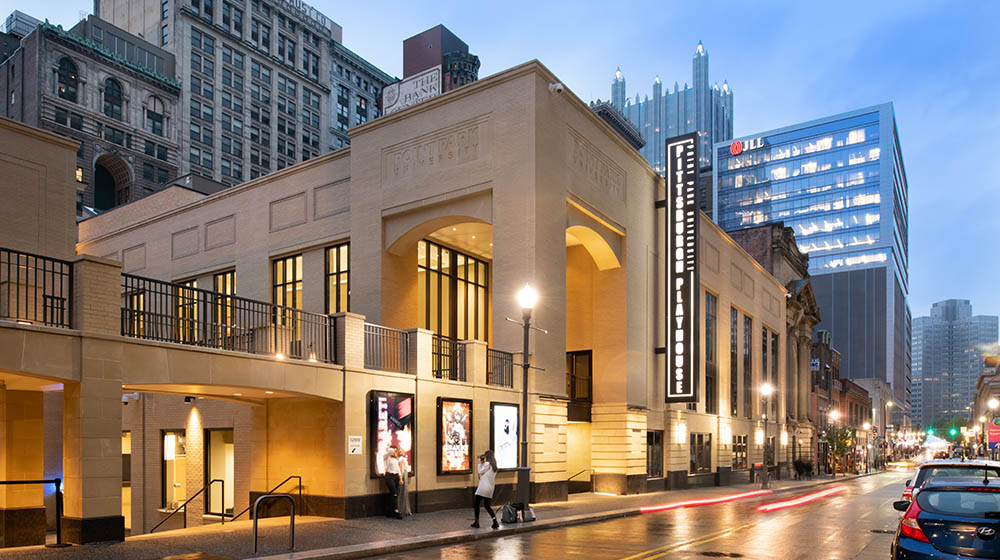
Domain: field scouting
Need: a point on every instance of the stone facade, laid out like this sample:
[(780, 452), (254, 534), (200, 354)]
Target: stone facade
[(62, 81)]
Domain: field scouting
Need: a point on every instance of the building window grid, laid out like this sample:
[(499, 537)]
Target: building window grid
[(701, 453), (747, 367), (453, 292), (739, 452), (286, 281)]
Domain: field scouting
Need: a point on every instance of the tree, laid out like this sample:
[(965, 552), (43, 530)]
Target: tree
[(839, 440)]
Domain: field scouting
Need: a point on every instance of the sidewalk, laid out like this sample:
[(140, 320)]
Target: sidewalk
[(329, 539)]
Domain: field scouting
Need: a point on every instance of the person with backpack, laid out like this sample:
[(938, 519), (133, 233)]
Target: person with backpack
[(484, 492)]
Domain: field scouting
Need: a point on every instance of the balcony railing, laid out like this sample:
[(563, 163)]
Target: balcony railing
[(167, 312), (499, 368), (35, 289), (386, 349), (447, 358)]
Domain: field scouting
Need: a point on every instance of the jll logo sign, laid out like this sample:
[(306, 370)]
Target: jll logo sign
[(682, 269), (740, 146)]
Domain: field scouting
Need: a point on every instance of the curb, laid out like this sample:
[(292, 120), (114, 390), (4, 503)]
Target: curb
[(365, 550)]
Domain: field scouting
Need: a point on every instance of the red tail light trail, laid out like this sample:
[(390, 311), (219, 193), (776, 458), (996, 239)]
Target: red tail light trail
[(801, 500)]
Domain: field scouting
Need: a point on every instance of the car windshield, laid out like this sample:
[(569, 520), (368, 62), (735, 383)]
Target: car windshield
[(965, 503), (930, 472)]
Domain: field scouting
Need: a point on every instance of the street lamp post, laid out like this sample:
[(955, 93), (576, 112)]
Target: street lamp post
[(526, 298), (982, 435), (766, 390)]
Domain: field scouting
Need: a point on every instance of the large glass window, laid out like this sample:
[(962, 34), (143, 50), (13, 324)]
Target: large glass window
[(113, 99), (654, 453), (224, 283), (68, 80), (287, 283), (452, 292), (174, 478), (701, 453), (739, 452), (747, 367), (338, 260), (711, 369), (187, 311), (220, 462), (580, 375), (734, 350)]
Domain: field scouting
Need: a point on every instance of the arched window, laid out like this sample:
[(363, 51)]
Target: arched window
[(68, 80), (154, 115), (113, 99)]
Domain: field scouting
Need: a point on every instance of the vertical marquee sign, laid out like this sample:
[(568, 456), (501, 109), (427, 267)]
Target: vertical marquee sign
[(682, 269)]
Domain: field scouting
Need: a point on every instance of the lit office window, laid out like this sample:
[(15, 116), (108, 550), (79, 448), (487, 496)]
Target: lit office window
[(287, 290), (338, 260), (224, 283), (187, 311)]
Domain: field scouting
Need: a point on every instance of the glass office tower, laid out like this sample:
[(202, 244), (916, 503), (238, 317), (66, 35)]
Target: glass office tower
[(840, 183)]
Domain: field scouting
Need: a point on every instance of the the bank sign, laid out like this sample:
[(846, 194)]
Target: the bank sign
[(415, 89), (682, 269)]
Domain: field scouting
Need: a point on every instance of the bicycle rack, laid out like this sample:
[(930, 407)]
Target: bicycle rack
[(291, 518)]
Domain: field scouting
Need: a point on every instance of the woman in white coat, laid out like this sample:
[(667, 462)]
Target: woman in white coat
[(484, 492)]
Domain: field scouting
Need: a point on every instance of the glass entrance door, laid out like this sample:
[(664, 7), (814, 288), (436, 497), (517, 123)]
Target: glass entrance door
[(220, 461)]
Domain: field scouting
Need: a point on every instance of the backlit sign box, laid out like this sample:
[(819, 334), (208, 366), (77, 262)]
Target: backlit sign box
[(682, 269), (415, 89)]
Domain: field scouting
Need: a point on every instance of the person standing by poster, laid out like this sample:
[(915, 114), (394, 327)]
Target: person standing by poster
[(404, 485), (392, 471), (484, 492)]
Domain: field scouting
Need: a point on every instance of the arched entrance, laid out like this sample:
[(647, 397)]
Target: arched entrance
[(112, 182)]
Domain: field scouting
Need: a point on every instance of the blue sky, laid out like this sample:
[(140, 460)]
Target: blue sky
[(938, 62)]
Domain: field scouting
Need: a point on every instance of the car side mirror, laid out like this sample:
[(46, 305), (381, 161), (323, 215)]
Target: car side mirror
[(901, 505), (909, 481)]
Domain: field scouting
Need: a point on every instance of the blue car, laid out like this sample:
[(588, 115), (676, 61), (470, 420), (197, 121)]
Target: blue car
[(950, 518)]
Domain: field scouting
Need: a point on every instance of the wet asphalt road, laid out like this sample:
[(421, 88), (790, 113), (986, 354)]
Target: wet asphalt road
[(856, 524)]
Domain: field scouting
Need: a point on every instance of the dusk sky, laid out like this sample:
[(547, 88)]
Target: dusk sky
[(787, 63)]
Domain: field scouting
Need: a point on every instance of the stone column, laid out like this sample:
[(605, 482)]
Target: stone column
[(618, 448), (475, 362), (22, 512), (792, 374), (92, 409), (419, 350), (350, 340), (804, 373)]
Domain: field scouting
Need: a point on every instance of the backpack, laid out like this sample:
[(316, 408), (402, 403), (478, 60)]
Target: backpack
[(508, 514), (528, 515)]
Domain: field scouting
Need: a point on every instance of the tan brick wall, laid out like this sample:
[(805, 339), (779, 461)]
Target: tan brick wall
[(97, 295)]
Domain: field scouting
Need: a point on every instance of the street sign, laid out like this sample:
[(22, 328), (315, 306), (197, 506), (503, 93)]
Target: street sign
[(993, 433)]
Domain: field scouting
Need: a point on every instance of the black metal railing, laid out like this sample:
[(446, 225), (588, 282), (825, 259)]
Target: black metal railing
[(35, 289), (188, 501), (499, 368), (273, 490), (169, 312), (386, 349), (448, 358)]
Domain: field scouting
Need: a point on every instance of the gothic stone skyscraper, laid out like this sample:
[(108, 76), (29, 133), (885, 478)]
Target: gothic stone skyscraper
[(947, 359), (699, 107)]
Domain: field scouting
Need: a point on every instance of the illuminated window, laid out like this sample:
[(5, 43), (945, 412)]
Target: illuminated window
[(79, 174), (187, 311), (453, 292), (338, 278), (68, 80), (287, 291), (224, 283), (856, 136)]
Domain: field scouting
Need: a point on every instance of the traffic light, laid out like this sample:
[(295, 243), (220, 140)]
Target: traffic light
[(953, 432), (930, 431)]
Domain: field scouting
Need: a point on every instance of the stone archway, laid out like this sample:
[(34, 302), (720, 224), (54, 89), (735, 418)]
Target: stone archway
[(112, 182)]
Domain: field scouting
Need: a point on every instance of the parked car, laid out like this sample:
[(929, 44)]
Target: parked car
[(950, 518), (940, 454), (950, 467)]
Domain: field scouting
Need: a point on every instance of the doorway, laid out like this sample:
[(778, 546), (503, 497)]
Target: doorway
[(220, 465)]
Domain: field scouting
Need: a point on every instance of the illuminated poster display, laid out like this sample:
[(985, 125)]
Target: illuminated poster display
[(503, 434), (391, 421), (682, 269), (454, 436)]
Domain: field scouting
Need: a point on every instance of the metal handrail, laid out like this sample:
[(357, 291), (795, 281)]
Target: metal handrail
[(37, 289), (59, 505), (184, 505), (271, 491), (291, 519), (577, 474)]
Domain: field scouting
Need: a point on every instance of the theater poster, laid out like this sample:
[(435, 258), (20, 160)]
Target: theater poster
[(454, 436), (391, 421), (503, 434)]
